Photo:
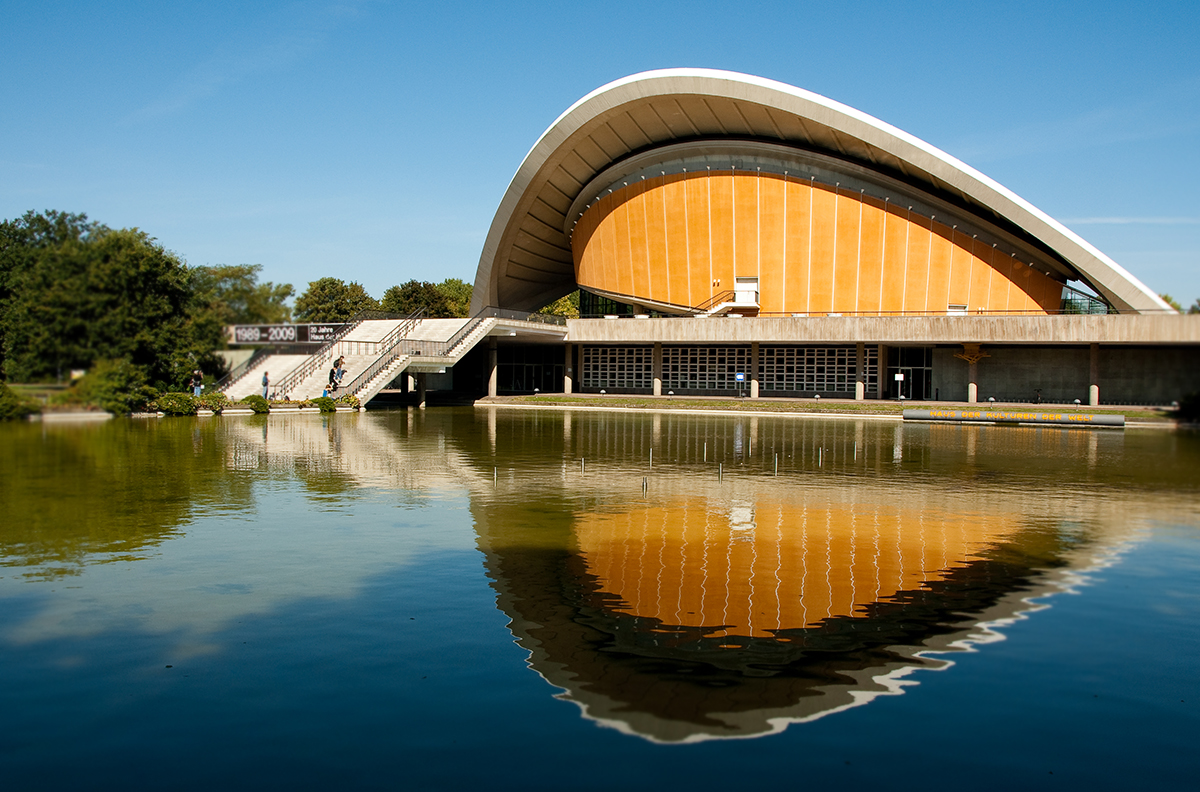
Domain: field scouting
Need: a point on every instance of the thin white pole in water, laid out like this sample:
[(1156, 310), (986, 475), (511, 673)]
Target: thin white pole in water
[(652, 457), (644, 485), (495, 476), (705, 450), (777, 464), (820, 457), (855, 450), (720, 471), (581, 465)]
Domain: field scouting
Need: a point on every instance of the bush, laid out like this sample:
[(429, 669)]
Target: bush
[(348, 398), (176, 404), (257, 403), (215, 401), (325, 404), (13, 406), (1189, 407), (115, 386)]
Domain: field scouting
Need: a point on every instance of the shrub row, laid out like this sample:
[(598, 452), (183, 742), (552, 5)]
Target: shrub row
[(187, 404)]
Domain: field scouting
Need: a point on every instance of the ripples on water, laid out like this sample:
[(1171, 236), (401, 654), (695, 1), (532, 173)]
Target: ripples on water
[(275, 601)]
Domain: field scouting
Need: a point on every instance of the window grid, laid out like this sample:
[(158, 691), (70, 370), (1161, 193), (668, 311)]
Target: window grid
[(618, 367), (705, 367), (816, 369)]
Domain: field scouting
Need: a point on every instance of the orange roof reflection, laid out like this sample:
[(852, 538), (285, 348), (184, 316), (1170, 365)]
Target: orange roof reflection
[(754, 569)]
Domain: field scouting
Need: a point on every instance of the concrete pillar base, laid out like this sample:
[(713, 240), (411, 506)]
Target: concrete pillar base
[(656, 366), (493, 369), (754, 369), (1094, 375), (860, 375), (569, 368)]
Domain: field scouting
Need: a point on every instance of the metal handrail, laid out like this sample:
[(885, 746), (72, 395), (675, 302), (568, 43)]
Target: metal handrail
[(320, 357), (931, 313), (411, 348), (716, 299), (242, 369)]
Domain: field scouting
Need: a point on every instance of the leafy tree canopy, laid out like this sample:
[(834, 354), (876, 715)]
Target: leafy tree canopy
[(408, 297), (73, 292), (567, 306), (458, 293), (332, 300), (448, 299), (234, 293), (1171, 301)]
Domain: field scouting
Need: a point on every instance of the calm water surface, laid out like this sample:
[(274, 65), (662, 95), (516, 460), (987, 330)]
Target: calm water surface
[(534, 600)]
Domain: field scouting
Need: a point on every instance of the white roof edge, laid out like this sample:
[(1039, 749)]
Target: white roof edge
[(1114, 281)]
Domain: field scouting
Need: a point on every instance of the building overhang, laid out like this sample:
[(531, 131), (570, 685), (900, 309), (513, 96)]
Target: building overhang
[(527, 261)]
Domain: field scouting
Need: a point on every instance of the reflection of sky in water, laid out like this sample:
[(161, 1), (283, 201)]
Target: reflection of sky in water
[(226, 567), (321, 589)]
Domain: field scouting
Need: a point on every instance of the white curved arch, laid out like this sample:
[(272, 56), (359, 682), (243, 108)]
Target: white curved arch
[(526, 260)]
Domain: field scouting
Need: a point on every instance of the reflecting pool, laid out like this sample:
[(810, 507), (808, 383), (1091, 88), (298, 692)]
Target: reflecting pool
[(546, 599)]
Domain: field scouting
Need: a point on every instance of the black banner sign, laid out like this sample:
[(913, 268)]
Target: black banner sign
[(1015, 416), (284, 334)]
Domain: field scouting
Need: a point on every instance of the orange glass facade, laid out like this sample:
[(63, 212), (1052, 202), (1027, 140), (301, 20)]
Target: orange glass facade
[(680, 239)]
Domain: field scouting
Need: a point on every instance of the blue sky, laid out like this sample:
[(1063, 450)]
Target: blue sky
[(373, 140)]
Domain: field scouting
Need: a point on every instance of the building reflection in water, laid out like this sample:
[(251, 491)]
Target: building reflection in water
[(690, 622), (703, 608), (705, 611)]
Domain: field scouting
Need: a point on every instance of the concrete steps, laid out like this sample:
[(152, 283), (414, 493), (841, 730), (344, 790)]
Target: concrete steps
[(277, 367)]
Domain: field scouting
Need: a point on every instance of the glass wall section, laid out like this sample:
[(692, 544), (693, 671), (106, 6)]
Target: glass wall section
[(705, 368), (529, 368), (595, 306), (916, 366), (617, 368), (823, 370)]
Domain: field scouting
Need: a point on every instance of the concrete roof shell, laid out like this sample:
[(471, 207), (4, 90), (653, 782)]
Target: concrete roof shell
[(527, 261)]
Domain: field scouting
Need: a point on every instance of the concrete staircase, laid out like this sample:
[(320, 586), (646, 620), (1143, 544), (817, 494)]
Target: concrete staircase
[(377, 351), (360, 347), (278, 367)]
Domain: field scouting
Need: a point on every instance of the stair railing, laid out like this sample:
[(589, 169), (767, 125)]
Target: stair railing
[(319, 358)]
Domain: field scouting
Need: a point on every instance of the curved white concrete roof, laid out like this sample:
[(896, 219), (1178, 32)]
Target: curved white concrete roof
[(526, 259)]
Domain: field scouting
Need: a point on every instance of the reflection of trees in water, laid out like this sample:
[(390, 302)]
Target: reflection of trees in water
[(89, 493)]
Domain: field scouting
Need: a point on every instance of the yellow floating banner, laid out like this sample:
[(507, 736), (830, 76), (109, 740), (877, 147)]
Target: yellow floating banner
[(1015, 416)]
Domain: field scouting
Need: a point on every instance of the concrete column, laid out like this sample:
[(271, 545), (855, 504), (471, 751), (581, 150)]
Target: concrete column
[(568, 368), (860, 373), (1094, 376), (493, 369), (656, 368), (754, 368), (421, 390), (881, 380), (973, 382)]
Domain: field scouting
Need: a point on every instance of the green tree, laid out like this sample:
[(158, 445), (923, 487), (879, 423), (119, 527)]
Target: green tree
[(448, 299), (1171, 301), (76, 292), (1195, 307), (408, 297), (458, 294), (234, 293), (332, 300), (567, 306)]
